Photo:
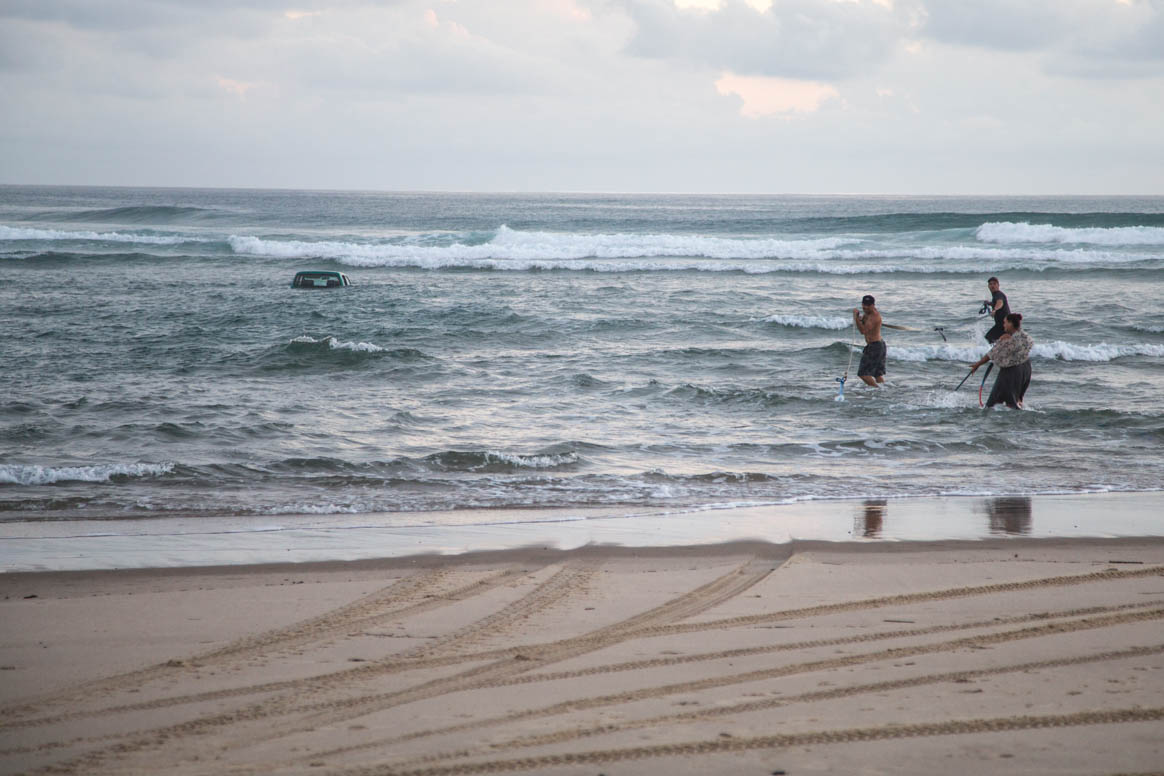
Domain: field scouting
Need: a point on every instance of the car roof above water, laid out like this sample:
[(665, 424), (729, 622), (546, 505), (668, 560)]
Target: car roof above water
[(320, 278)]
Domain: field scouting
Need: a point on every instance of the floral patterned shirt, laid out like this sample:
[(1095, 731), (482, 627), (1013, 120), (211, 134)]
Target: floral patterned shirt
[(1012, 350)]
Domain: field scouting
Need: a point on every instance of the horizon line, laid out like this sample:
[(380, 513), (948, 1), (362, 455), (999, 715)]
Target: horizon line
[(580, 192)]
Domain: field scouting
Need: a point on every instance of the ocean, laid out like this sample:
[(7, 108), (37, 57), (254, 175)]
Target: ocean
[(520, 351)]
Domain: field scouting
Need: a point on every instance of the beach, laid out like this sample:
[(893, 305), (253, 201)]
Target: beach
[(1005, 655), (582, 388)]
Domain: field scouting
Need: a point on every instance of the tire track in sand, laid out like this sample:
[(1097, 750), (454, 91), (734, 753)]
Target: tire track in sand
[(725, 654), (631, 666), (814, 738), (817, 695), (567, 582), (657, 691), (1067, 580), (892, 653), (635, 627), (563, 583), (365, 612), (702, 598), (648, 624), (522, 660), (694, 602)]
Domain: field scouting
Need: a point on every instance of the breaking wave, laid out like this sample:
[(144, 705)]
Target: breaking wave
[(496, 461), (513, 250), (810, 321), (1007, 232), (335, 344), (1063, 351), (19, 474), (15, 233), (516, 245)]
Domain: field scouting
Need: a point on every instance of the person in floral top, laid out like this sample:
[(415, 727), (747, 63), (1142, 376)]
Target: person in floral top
[(1012, 354)]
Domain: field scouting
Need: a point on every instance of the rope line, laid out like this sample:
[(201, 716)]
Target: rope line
[(852, 348)]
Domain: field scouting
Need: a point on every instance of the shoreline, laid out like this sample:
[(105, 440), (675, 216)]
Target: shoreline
[(235, 541), (1009, 656), (76, 582)]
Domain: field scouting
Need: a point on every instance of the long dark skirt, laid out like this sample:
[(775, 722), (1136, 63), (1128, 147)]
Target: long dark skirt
[(1011, 385)]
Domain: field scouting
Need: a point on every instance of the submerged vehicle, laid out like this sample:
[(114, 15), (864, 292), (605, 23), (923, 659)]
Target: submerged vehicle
[(321, 278)]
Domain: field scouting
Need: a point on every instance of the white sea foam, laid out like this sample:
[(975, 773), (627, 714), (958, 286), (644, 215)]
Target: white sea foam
[(20, 474), (1067, 351), (945, 399), (517, 246), (1064, 351), (942, 352), (534, 461), (810, 321), (12, 233), (318, 509), (335, 344), (514, 250), (1009, 232)]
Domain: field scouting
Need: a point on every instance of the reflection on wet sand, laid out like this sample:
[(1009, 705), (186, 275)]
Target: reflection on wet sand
[(869, 521), (1009, 515)]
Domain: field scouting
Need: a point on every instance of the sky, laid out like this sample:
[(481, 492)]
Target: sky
[(715, 96)]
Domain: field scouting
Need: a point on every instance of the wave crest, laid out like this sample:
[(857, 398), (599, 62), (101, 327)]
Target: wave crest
[(1007, 232), (1063, 351), (497, 461), (23, 233), (513, 250), (810, 321), (135, 214), (1066, 351), (335, 344), (513, 245), (20, 474)]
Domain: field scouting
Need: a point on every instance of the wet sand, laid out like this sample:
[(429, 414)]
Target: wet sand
[(999, 656), (53, 544)]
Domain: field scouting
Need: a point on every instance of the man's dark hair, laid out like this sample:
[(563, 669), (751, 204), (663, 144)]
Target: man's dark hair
[(991, 280)]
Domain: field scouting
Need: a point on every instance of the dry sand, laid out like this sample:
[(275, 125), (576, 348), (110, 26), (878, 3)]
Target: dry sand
[(1000, 656)]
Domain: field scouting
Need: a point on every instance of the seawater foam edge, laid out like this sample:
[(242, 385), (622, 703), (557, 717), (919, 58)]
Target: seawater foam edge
[(811, 321), (335, 344), (1057, 350), (15, 233), (27, 474), (514, 250), (1005, 232)]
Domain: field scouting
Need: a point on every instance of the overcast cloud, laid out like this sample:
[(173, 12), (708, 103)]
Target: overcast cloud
[(894, 96)]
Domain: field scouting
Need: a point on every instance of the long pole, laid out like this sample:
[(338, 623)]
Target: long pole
[(964, 379), (841, 380), (989, 366)]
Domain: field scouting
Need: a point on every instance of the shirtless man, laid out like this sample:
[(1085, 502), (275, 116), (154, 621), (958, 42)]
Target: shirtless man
[(868, 321)]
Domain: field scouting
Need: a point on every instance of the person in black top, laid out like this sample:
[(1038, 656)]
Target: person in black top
[(999, 308)]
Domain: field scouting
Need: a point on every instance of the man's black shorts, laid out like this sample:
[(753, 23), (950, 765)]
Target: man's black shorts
[(872, 360)]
